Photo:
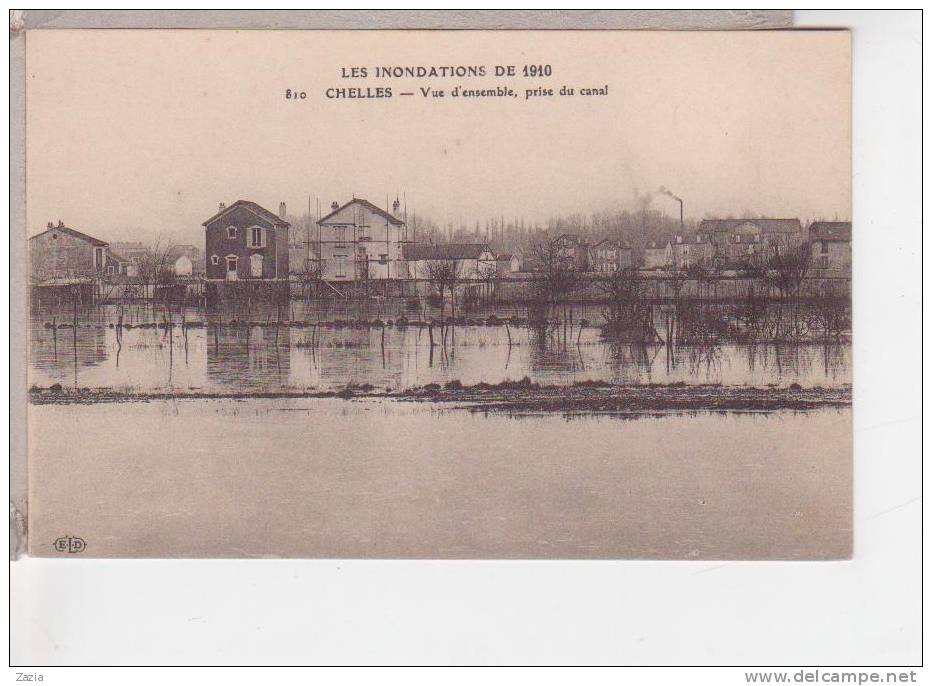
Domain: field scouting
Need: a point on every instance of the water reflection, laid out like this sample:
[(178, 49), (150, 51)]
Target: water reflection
[(266, 356)]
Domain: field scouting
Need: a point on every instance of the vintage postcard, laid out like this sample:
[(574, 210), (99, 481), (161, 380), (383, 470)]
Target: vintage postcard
[(438, 294)]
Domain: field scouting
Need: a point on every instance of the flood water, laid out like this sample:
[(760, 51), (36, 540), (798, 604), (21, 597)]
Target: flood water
[(265, 357), (369, 478)]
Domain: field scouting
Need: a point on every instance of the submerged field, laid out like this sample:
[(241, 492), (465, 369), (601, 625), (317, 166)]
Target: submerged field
[(372, 478)]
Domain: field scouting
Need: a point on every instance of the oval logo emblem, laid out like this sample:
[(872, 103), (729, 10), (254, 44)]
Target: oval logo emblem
[(70, 544)]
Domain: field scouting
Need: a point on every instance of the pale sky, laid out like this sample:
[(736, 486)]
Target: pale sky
[(139, 134)]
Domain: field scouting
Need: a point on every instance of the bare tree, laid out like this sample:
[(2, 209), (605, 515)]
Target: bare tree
[(788, 271), (308, 274), (154, 267), (444, 276), (557, 277), (628, 313)]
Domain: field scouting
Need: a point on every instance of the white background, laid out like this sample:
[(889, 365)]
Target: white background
[(863, 612)]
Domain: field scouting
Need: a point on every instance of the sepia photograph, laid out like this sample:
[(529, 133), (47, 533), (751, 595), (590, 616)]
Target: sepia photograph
[(476, 295), (466, 338)]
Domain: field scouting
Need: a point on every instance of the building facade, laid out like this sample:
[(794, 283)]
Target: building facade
[(750, 240), (61, 252), (246, 242), (692, 251), (359, 241), (657, 256), (573, 250), (830, 246), (473, 261), (185, 260), (608, 256)]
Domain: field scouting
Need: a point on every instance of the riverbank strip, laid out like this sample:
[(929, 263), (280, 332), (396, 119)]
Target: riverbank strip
[(511, 396)]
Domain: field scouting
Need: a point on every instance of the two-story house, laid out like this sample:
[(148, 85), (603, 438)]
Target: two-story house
[(359, 241), (245, 241), (742, 240), (608, 256), (573, 250), (691, 251), (61, 252), (830, 245)]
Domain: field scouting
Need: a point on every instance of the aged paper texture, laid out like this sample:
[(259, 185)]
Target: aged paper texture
[(439, 294)]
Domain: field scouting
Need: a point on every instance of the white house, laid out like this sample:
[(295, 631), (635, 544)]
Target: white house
[(474, 261), (359, 241)]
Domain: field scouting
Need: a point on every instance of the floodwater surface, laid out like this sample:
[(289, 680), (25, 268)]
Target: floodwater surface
[(367, 478), (271, 358)]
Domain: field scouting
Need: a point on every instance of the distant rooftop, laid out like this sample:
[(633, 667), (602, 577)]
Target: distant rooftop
[(443, 251), (830, 231)]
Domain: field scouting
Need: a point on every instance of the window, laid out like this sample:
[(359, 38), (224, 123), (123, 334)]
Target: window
[(339, 234), (99, 258), (231, 232), (231, 267), (383, 259), (110, 269), (255, 266), (340, 265), (255, 237), (214, 260)]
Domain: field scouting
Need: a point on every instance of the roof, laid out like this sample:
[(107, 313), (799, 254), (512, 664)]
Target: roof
[(443, 251), (570, 238), (504, 256), (176, 251), (766, 225), (608, 242), (654, 245), (830, 231), (369, 206), (116, 258), (252, 207), (73, 232)]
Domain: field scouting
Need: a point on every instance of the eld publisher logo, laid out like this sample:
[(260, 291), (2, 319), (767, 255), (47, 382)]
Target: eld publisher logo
[(70, 544)]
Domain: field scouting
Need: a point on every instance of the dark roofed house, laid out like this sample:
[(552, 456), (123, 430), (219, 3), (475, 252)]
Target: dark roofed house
[(608, 256), (246, 242), (742, 239), (691, 251), (830, 245), (507, 263), (574, 250)]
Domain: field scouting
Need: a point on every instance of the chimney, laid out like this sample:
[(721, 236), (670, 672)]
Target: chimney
[(222, 207), (396, 206), (281, 210), (334, 206), (49, 225)]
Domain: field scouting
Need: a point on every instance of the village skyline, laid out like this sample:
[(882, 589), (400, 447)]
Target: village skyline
[(731, 130)]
